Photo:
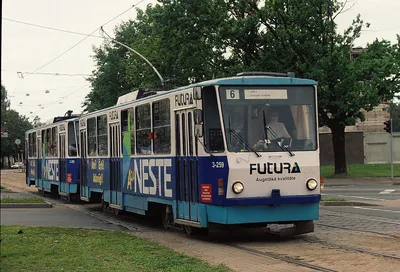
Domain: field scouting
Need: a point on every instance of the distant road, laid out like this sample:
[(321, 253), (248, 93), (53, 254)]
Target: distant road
[(385, 195)]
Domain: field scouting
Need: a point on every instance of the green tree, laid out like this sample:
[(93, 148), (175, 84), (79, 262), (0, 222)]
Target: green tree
[(179, 38), (15, 125), (190, 40), (302, 36), (395, 115)]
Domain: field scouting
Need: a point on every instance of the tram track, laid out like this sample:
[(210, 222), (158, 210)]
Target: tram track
[(282, 258), (397, 237), (348, 248)]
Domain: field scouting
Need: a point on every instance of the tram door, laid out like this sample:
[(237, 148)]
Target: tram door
[(63, 162), (115, 165), (186, 166), (83, 176), (39, 160)]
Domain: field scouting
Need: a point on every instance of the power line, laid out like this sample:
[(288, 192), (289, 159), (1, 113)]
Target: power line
[(50, 89), (50, 28), (87, 36), (21, 74)]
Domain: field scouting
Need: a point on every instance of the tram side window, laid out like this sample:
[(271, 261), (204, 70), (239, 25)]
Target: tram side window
[(102, 135), (212, 125), (128, 131), (92, 137), (54, 141), (44, 143), (161, 127), (76, 128), (143, 129), (72, 146), (48, 143), (32, 145)]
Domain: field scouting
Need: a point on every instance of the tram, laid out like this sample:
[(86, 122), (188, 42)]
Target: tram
[(242, 150), (53, 163)]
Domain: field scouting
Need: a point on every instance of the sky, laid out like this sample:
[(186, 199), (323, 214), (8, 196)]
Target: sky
[(26, 49)]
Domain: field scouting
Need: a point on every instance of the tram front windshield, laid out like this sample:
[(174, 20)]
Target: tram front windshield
[(269, 119)]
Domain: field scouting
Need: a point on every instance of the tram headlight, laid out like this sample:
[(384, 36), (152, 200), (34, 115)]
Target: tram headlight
[(237, 187), (311, 184)]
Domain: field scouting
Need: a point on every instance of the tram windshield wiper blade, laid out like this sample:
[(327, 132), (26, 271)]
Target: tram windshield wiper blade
[(281, 145), (240, 138)]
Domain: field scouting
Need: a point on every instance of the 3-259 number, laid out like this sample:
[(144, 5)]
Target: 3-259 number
[(217, 164)]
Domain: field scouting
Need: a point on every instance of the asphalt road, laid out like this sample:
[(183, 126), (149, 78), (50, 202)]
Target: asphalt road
[(385, 196), (57, 216), (380, 192)]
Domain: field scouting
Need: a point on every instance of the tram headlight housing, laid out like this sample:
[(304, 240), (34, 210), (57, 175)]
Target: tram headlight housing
[(311, 184), (237, 187)]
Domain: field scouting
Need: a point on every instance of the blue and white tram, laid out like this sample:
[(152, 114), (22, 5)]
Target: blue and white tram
[(53, 160), (231, 151)]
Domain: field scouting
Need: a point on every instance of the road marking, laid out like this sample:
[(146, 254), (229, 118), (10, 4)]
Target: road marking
[(361, 197), (363, 208), (387, 191)]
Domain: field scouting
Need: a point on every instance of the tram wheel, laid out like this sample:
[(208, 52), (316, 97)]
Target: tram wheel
[(195, 231), (104, 206), (116, 211), (164, 220)]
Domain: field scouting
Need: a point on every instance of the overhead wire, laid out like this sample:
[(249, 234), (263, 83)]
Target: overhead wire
[(69, 49), (46, 74), (79, 42), (51, 28)]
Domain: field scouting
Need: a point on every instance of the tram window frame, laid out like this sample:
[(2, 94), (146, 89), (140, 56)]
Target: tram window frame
[(143, 127), (47, 135), (72, 140), (77, 137), (128, 128), (213, 137), (91, 137), (54, 138), (32, 152), (102, 135), (161, 127), (190, 134)]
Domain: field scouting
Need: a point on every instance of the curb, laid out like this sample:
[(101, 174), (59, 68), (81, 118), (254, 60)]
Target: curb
[(345, 203), (26, 205)]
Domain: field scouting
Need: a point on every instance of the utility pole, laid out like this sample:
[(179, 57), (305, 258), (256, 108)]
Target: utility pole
[(391, 148), (389, 129)]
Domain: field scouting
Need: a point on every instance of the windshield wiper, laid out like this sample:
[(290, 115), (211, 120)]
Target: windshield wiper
[(240, 138), (281, 145)]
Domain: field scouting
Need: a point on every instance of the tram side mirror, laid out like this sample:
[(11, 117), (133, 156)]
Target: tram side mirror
[(198, 130), (198, 116), (197, 93)]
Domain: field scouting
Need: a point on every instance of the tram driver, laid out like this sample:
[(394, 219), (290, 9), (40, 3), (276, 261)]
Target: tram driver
[(277, 131)]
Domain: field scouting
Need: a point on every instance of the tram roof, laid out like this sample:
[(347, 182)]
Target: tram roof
[(257, 80), (238, 80), (55, 124)]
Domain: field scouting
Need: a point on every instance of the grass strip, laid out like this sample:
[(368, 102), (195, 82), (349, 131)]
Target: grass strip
[(67, 249), (22, 200), (362, 170), (329, 198)]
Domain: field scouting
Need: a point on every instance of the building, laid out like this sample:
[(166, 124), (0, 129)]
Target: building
[(373, 121)]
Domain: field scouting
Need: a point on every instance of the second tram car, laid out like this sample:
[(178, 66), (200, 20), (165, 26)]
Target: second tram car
[(53, 162), (231, 151)]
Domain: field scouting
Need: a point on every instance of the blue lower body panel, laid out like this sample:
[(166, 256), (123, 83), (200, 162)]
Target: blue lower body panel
[(262, 213), (45, 185), (68, 188)]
